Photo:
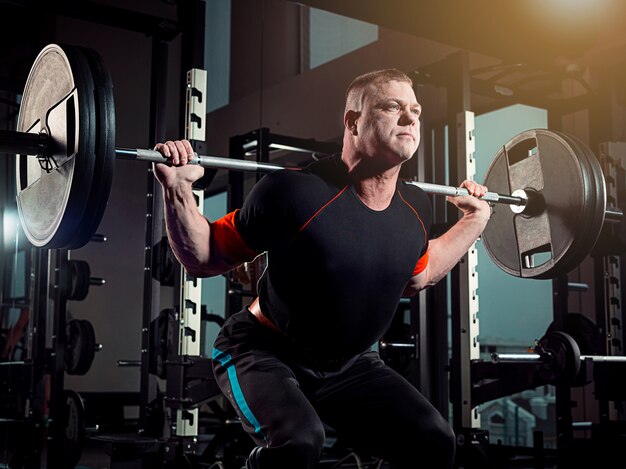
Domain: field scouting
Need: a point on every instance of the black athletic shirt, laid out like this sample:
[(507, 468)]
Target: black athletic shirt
[(336, 268)]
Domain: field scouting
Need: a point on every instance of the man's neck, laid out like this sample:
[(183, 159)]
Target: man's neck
[(374, 186), (376, 192)]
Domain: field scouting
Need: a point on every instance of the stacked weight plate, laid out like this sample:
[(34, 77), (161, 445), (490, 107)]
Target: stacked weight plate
[(566, 210), (61, 196)]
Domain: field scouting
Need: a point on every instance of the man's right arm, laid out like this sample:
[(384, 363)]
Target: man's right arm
[(189, 233), (445, 251)]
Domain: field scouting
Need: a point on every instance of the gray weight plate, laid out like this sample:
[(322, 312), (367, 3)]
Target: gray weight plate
[(52, 192)]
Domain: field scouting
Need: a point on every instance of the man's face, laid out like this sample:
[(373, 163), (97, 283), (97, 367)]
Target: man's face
[(388, 125)]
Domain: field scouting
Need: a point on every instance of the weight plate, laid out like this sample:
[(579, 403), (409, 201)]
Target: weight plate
[(563, 364), (80, 349), (79, 276), (598, 197), (164, 263), (104, 165), (52, 191), (584, 331), (568, 194), (74, 424)]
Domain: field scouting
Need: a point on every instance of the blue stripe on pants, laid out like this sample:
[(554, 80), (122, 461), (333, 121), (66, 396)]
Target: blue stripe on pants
[(225, 360)]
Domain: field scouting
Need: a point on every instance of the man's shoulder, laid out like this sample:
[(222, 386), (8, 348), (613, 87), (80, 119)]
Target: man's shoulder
[(414, 196), (320, 172), (408, 189)]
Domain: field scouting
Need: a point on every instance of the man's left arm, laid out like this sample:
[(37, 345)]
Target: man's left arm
[(445, 251)]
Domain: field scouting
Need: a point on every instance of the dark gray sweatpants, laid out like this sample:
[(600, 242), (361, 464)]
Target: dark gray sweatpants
[(282, 403)]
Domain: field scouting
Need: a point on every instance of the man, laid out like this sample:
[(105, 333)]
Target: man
[(345, 241)]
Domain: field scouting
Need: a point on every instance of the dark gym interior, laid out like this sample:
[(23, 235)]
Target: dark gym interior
[(106, 340)]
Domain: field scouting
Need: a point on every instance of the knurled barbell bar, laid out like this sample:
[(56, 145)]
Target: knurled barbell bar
[(65, 149)]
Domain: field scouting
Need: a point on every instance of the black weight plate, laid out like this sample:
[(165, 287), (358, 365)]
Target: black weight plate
[(596, 204), (105, 147), (551, 241), (164, 263), (72, 346), (80, 236), (81, 347), (88, 337), (584, 331), (593, 209), (74, 424), (79, 276), (564, 365), (58, 100)]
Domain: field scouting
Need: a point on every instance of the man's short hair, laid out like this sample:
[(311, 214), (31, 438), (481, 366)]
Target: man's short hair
[(354, 93)]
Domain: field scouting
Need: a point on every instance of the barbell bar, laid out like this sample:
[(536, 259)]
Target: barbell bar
[(217, 162), (551, 182), (220, 162), (230, 164), (38, 144)]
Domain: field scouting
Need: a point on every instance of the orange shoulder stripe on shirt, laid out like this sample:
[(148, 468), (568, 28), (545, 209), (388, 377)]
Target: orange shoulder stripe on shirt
[(229, 243)]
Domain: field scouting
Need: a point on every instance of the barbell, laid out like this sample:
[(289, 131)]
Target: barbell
[(558, 357), (65, 147)]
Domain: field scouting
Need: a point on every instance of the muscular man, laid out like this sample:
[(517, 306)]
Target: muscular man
[(345, 240)]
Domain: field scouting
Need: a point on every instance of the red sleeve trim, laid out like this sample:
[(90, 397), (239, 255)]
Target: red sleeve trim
[(228, 242), (421, 264)]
